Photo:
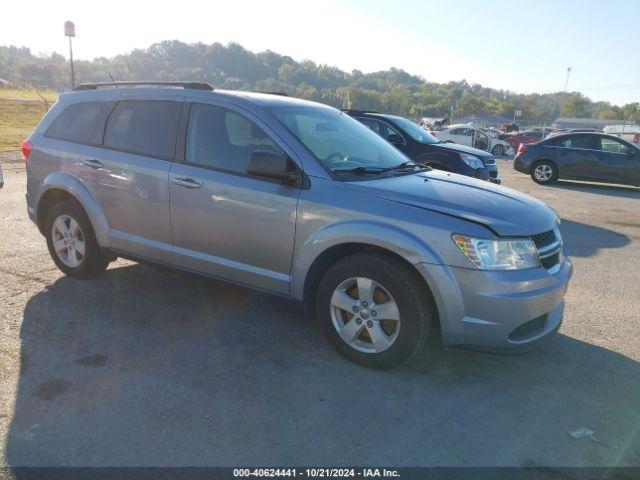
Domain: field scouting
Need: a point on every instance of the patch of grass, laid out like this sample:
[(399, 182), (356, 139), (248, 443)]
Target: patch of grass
[(18, 118)]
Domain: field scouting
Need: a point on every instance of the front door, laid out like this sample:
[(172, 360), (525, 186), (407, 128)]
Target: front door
[(619, 162), (224, 222)]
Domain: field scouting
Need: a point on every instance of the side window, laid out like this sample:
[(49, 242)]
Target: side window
[(80, 123), (461, 131), (381, 128), (577, 141), (145, 127), (611, 146), (221, 138), (371, 124)]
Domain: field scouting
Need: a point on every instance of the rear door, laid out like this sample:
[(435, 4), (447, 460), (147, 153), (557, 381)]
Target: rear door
[(576, 157), (129, 175), (461, 136), (225, 222), (618, 163)]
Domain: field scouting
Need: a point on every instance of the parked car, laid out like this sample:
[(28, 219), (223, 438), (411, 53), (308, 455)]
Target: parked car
[(422, 147), (524, 137), (594, 157), (299, 199), (473, 137)]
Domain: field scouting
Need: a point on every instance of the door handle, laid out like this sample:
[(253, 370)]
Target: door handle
[(187, 182), (93, 163), (564, 154)]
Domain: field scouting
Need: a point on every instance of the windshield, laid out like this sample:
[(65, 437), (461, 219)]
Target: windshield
[(339, 142), (419, 134)]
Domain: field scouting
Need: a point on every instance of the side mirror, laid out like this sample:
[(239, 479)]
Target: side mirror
[(276, 166), (395, 139)]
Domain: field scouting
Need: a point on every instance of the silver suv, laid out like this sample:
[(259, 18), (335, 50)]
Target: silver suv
[(299, 199)]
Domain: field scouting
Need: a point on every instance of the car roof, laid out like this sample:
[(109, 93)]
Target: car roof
[(577, 134)]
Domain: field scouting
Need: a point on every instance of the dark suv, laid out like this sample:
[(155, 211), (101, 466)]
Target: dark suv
[(424, 148)]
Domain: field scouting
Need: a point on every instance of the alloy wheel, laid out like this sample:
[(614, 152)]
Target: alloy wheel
[(543, 172), (68, 241), (365, 315)]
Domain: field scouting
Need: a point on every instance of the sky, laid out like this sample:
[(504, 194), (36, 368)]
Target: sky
[(520, 46)]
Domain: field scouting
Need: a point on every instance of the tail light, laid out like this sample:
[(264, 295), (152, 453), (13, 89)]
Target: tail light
[(521, 149), (26, 149)]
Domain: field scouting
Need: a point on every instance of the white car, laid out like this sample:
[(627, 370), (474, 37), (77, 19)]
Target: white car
[(473, 137)]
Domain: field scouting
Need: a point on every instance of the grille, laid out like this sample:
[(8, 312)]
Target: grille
[(550, 261), (543, 239), (528, 329), (493, 173), (549, 247)]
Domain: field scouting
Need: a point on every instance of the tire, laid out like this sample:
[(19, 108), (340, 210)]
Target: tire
[(544, 172), (71, 259), (498, 150), (396, 292)]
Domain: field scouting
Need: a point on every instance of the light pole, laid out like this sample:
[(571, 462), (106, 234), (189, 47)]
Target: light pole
[(566, 82), (70, 31)]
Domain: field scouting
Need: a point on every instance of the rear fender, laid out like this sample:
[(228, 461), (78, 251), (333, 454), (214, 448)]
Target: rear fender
[(78, 190)]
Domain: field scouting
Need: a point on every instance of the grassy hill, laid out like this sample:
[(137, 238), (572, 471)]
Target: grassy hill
[(20, 112)]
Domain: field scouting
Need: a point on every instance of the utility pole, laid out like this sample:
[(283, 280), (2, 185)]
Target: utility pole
[(566, 82), (70, 31)]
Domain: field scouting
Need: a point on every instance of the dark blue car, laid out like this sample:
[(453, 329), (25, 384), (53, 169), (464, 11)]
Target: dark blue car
[(594, 157), (422, 147)]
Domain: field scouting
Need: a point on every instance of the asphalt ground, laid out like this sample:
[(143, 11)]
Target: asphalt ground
[(147, 366)]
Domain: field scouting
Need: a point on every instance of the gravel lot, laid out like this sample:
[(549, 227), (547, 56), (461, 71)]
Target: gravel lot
[(145, 366)]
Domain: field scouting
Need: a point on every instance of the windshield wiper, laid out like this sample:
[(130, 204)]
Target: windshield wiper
[(405, 165), (360, 170)]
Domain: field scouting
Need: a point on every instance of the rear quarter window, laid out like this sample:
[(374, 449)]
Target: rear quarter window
[(144, 127), (80, 123)]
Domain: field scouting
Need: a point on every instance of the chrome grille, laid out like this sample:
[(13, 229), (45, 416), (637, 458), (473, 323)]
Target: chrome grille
[(549, 245)]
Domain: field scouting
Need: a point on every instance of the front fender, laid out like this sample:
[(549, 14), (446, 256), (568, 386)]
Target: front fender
[(399, 241), (78, 190)]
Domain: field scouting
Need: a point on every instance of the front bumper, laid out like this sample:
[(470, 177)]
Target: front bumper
[(489, 173), (507, 312)]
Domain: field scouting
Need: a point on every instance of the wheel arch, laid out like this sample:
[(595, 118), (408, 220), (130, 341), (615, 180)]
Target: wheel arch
[(61, 186), (545, 159), (339, 251)]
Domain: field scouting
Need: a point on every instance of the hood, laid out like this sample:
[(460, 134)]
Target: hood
[(454, 147), (505, 211)]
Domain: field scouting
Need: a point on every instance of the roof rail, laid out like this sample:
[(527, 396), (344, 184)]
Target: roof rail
[(282, 94), (357, 112), (189, 85)]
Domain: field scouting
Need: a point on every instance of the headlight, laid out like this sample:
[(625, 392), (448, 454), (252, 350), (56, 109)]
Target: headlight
[(487, 254), (471, 160)]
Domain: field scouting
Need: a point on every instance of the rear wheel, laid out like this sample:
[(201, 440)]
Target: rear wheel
[(372, 310), (72, 243), (544, 172)]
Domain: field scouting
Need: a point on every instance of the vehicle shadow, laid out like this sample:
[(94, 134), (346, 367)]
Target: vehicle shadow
[(146, 366), (584, 240), (621, 191)]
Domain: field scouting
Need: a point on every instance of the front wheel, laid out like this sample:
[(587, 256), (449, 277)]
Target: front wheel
[(544, 172), (72, 243), (498, 150), (373, 310)]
